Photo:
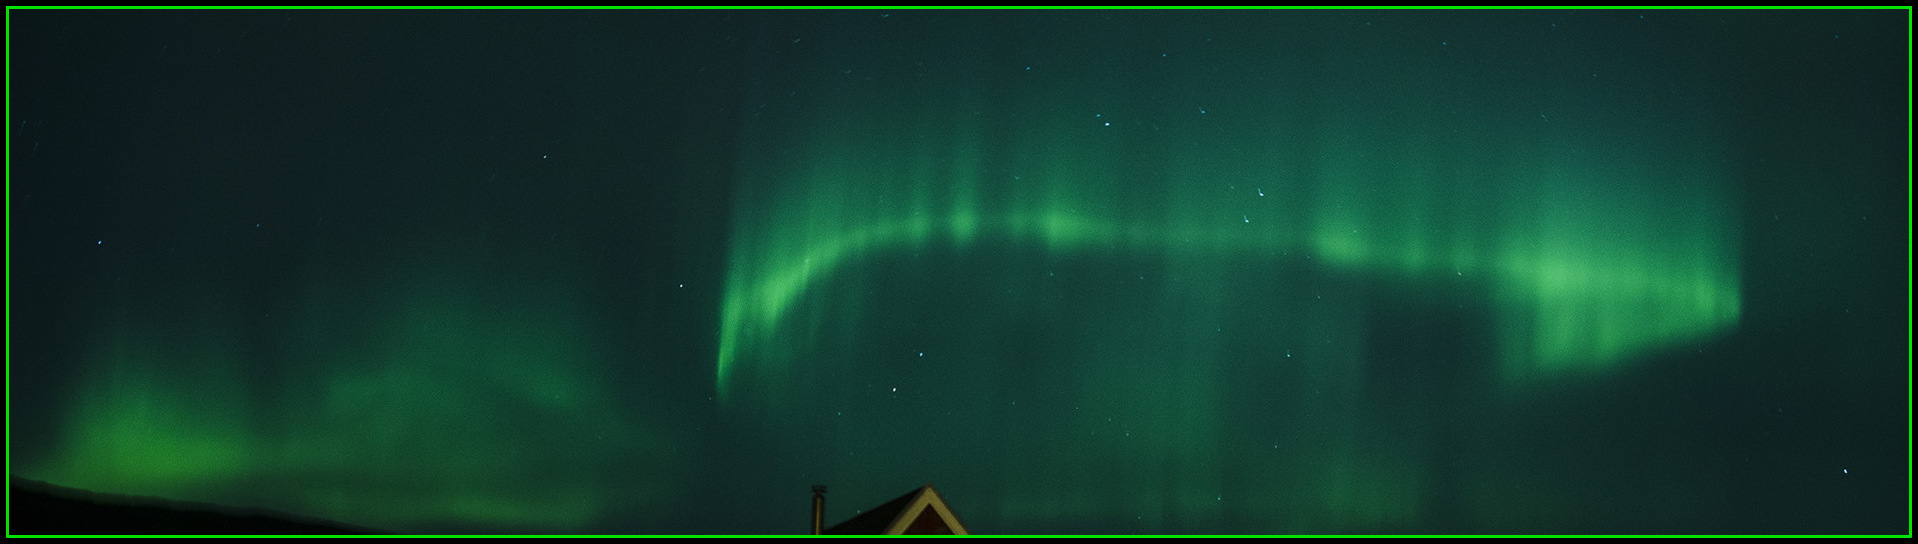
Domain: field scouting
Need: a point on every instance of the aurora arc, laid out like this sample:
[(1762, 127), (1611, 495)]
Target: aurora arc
[(1588, 267)]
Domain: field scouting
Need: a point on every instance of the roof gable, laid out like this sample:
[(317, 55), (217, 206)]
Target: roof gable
[(921, 511)]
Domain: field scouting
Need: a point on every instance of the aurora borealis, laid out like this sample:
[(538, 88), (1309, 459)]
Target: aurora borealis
[(1108, 271)]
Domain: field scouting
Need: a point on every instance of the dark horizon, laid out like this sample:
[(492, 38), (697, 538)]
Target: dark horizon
[(1086, 271), (40, 508)]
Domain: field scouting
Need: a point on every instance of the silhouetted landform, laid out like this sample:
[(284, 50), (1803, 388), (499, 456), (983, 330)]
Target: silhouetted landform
[(40, 508)]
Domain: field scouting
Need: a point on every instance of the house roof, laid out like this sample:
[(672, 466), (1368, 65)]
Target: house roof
[(921, 511)]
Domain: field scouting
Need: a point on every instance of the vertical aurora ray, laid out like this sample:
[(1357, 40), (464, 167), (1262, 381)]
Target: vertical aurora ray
[(1586, 240), (1593, 261)]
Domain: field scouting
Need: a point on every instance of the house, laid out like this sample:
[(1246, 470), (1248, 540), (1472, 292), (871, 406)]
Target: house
[(919, 512)]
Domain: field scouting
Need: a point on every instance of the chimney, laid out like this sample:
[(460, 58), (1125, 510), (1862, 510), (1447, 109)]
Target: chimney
[(818, 509)]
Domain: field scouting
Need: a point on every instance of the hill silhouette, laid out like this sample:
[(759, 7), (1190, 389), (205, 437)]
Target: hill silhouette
[(40, 508)]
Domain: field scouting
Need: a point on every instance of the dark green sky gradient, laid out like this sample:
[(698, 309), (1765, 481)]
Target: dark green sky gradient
[(1087, 272)]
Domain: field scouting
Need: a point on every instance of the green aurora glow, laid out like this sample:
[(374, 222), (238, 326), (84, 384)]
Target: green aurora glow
[(1284, 272), (389, 428), (1595, 253), (1581, 242)]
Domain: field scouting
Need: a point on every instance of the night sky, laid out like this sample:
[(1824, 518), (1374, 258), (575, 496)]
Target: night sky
[(1213, 272)]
